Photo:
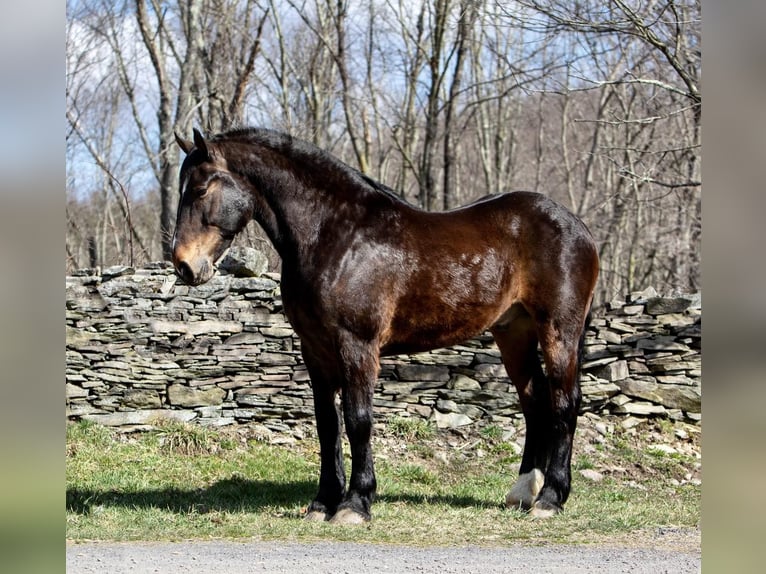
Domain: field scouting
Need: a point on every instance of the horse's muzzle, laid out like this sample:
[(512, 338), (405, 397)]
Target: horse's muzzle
[(185, 271)]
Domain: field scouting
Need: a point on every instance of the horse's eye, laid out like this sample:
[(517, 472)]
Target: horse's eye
[(200, 191)]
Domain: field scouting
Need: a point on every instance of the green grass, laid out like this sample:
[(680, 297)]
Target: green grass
[(189, 483), (411, 428)]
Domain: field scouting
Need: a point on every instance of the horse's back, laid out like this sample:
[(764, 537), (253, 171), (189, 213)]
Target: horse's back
[(467, 268), (522, 229), (530, 209)]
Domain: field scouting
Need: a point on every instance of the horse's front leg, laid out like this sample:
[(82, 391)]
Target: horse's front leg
[(332, 477), (360, 365)]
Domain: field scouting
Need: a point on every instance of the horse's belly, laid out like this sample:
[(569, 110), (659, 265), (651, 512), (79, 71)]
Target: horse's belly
[(417, 332)]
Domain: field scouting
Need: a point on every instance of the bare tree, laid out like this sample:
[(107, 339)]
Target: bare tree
[(643, 143), (596, 104)]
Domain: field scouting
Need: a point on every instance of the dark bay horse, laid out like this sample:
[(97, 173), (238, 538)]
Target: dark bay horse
[(365, 274)]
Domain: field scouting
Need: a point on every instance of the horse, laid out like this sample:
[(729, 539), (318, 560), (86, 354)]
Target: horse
[(366, 274)]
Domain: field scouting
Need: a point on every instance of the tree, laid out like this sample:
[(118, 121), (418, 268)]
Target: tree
[(595, 104)]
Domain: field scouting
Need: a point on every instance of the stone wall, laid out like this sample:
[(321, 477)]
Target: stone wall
[(141, 348)]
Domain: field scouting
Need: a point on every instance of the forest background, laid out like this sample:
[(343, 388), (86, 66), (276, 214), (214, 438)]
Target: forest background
[(596, 104)]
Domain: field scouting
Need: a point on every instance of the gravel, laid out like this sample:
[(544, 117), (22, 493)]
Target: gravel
[(235, 557)]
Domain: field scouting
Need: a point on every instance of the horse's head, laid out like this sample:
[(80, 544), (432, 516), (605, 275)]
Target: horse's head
[(214, 207)]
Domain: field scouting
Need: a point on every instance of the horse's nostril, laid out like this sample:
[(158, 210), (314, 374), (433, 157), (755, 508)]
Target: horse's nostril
[(185, 272)]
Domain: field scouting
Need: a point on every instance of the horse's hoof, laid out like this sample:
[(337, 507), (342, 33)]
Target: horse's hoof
[(315, 516), (348, 516), (544, 510), (523, 493)]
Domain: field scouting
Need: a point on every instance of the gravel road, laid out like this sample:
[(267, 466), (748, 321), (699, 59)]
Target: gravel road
[(235, 557)]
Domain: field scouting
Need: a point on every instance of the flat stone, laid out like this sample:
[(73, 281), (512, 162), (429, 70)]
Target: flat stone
[(621, 327), (394, 406), (592, 475), (141, 399), (217, 421), (598, 362), (662, 305), (75, 391), (619, 400), (661, 343), (677, 380), (497, 386), (630, 422), (245, 338), (640, 408), (420, 410), (610, 336), (451, 420), (601, 390), (614, 371), (423, 373), (248, 414), (195, 327), (79, 409), (285, 400), (116, 271), (471, 411), (276, 359), (446, 406), (463, 383), (688, 399), (209, 412), (278, 332), (183, 396), (672, 365), (485, 372), (637, 367), (253, 287), (632, 309), (141, 417), (397, 388), (643, 388), (83, 299)]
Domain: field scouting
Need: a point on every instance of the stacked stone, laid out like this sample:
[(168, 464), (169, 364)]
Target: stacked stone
[(142, 347), (643, 357), (455, 386)]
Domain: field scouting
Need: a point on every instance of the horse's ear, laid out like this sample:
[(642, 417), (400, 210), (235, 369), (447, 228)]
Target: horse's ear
[(200, 143), (185, 145)]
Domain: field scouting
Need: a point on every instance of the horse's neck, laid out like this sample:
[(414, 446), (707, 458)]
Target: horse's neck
[(293, 214)]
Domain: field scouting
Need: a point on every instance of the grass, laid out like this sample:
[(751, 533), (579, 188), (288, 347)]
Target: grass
[(183, 482), (411, 429)]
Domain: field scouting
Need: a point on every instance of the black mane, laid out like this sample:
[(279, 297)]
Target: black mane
[(298, 148)]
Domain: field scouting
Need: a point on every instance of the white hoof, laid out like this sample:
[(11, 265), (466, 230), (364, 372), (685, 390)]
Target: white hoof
[(525, 490), (315, 516), (539, 511), (347, 516)]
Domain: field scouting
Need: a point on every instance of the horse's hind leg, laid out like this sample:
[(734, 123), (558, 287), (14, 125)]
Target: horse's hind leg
[(560, 346), (517, 342)]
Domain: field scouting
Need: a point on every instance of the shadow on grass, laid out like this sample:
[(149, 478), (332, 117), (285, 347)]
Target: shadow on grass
[(234, 495), (439, 499)]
